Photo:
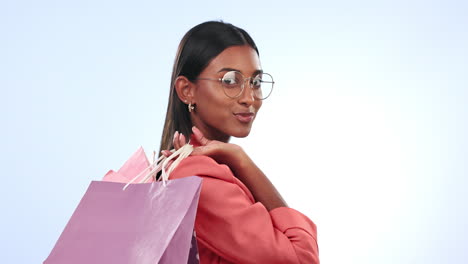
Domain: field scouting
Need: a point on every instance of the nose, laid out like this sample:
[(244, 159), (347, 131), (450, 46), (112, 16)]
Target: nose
[(247, 97)]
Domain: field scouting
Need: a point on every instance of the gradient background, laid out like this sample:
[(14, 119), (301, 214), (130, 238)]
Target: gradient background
[(365, 132)]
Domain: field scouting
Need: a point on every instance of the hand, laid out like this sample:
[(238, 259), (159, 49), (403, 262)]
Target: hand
[(224, 153), (178, 141)]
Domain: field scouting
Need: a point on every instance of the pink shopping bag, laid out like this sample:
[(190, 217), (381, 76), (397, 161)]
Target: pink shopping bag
[(145, 223)]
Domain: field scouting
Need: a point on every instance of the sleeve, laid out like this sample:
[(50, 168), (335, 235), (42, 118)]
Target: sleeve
[(233, 227)]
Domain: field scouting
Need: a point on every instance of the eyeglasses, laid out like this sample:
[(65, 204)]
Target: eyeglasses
[(233, 84)]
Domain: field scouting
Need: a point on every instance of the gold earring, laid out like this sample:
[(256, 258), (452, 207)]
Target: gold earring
[(191, 107)]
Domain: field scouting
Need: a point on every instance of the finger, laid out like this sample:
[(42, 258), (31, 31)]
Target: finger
[(198, 151), (203, 150), (181, 139), (199, 136), (175, 140)]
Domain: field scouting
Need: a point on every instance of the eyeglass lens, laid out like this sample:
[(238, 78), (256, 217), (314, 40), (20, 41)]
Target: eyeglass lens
[(261, 84)]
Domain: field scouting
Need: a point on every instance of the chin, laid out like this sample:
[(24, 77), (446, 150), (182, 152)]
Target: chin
[(241, 134)]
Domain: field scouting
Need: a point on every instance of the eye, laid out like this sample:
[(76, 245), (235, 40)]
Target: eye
[(257, 82), (230, 79)]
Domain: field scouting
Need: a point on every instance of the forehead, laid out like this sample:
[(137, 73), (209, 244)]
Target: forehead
[(241, 58)]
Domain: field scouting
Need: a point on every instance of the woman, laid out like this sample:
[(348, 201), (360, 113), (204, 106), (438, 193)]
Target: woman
[(217, 90)]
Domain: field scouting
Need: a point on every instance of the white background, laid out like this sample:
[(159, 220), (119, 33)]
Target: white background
[(365, 132)]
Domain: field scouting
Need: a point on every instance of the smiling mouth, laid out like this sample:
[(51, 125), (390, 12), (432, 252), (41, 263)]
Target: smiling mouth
[(244, 117)]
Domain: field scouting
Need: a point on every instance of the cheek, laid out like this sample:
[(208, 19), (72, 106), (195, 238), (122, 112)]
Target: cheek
[(258, 105), (212, 103)]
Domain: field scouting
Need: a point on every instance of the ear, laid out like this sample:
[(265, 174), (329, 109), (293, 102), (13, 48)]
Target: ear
[(185, 89)]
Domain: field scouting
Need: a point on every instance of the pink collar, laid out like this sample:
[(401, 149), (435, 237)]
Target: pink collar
[(193, 141)]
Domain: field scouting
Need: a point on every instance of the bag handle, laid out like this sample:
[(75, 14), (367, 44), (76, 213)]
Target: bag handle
[(162, 163), (150, 167), (182, 153)]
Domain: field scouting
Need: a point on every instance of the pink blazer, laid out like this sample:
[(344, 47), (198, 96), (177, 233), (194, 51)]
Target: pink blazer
[(232, 228)]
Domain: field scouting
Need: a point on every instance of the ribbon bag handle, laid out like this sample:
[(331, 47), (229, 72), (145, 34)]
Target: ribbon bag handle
[(161, 165), (182, 153)]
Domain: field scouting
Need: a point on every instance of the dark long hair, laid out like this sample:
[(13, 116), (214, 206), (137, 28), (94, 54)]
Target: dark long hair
[(198, 47)]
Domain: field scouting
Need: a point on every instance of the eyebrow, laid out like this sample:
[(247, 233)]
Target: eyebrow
[(231, 69)]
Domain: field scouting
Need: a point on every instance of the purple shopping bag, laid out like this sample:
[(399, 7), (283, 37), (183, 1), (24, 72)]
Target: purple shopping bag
[(145, 223)]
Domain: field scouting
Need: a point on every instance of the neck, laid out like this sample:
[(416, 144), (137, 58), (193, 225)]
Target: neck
[(210, 132), (213, 134)]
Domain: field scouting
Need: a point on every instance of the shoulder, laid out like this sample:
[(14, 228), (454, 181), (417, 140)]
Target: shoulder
[(202, 166), (218, 179)]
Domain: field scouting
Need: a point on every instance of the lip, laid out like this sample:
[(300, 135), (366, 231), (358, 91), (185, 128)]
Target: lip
[(245, 117)]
